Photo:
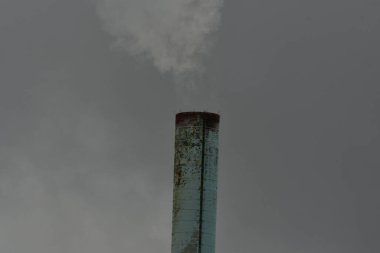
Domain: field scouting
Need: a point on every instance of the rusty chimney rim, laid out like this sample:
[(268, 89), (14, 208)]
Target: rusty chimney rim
[(208, 116)]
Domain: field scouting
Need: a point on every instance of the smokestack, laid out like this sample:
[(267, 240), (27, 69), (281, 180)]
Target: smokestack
[(195, 182)]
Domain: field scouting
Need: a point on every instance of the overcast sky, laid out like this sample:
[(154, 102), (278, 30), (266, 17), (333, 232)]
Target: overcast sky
[(87, 130)]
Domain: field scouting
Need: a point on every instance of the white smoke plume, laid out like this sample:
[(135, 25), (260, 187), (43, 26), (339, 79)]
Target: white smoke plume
[(174, 34)]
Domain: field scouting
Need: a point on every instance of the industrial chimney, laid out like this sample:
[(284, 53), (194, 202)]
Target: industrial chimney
[(195, 182)]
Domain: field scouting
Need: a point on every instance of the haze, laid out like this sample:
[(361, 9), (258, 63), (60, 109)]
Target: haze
[(87, 131)]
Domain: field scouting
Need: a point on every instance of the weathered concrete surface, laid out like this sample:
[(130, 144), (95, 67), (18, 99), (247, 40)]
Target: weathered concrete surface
[(195, 182)]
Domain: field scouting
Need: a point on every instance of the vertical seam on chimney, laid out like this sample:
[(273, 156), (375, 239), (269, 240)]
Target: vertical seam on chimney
[(202, 183)]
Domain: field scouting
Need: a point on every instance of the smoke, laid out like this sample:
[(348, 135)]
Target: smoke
[(174, 34)]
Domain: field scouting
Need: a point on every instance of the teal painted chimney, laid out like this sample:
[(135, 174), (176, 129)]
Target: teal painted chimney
[(195, 182)]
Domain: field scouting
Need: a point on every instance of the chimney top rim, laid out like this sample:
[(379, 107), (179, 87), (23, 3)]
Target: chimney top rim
[(191, 114)]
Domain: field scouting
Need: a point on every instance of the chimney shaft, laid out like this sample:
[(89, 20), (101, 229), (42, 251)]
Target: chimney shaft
[(195, 182)]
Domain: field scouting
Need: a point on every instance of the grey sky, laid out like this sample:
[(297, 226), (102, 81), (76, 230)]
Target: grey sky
[(86, 150)]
